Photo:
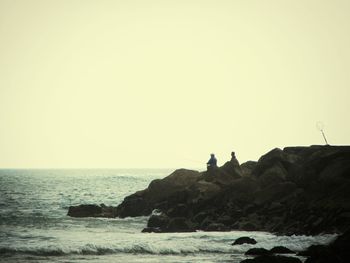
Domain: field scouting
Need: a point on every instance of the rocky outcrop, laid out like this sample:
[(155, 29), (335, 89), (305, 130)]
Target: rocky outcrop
[(297, 190), (158, 194)]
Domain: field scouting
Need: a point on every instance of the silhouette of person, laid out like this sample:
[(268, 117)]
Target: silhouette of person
[(234, 160), (212, 162)]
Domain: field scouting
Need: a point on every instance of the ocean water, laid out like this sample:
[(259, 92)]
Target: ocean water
[(34, 226)]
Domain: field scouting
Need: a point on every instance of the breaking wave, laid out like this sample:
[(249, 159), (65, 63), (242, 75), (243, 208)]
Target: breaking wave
[(90, 249)]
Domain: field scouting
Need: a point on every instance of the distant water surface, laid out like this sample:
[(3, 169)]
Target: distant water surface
[(34, 226)]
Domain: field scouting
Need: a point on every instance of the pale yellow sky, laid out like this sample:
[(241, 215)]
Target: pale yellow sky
[(137, 84)]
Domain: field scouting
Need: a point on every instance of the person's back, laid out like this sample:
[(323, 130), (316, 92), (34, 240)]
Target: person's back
[(212, 162)]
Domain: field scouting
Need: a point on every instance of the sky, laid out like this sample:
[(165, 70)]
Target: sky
[(162, 84)]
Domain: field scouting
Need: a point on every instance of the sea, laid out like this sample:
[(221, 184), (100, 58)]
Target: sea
[(34, 226)]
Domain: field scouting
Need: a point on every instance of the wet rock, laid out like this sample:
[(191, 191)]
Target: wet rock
[(244, 240)]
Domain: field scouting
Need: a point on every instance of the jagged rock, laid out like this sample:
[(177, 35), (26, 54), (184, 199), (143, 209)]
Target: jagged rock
[(272, 259), (244, 240)]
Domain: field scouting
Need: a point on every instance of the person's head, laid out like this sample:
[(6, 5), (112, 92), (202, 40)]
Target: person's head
[(212, 155), (233, 154)]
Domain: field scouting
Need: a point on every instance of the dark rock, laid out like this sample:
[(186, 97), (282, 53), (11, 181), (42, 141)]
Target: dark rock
[(206, 222), (257, 252), (248, 226), (179, 224), (244, 240), (248, 167), (200, 217), (274, 193), (272, 259), (313, 251), (160, 221), (297, 190), (159, 191), (92, 211), (84, 211), (134, 205), (180, 210), (281, 250), (225, 219)]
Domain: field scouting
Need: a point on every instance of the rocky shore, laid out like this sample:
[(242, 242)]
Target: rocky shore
[(297, 190)]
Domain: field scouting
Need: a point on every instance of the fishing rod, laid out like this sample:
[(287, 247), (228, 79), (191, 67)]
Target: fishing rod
[(320, 127)]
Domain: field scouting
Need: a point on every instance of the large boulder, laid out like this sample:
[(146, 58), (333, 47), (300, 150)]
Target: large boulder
[(159, 191)]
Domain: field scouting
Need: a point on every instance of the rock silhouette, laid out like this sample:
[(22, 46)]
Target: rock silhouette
[(297, 190)]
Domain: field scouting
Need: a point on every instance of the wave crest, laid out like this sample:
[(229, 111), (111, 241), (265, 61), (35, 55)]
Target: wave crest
[(92, 249)]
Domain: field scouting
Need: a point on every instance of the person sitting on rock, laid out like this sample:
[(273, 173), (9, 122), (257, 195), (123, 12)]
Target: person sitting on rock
[(212, 162), (234, 159)]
